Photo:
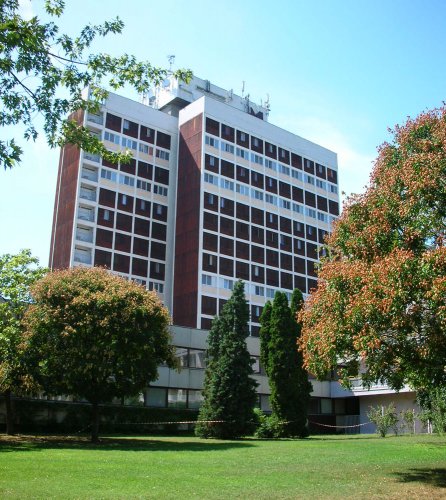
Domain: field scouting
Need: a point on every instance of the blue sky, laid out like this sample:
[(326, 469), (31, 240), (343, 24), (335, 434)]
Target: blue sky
[(337, 72)]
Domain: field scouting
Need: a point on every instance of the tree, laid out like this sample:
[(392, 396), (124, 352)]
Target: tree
[(17, 274), (380, 303), (95, 336), (229, 391), (40, 67), (384, 418), (290, 389)]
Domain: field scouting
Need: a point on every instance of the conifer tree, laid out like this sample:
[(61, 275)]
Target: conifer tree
[(229, 390), (290, 389)]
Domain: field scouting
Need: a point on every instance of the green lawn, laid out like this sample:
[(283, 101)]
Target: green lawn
[(185, 467)]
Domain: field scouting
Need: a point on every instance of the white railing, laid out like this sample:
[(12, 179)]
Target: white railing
[(99, 119), (83, 259), (87, 195), (92, 157)]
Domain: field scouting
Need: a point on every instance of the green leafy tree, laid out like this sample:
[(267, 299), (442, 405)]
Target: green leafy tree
[(380, 301), (384, 418), (40, 67), (17, 274), (433, 404), (229, 389), (288, 380), (96, 336)]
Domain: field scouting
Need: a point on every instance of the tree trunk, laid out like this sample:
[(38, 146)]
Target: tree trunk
[(95, 422), (9, 413)]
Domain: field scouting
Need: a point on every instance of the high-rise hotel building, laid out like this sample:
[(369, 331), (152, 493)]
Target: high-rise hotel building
[(214, 193)]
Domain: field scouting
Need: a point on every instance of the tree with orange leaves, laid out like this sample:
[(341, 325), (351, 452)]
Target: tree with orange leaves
[(380, 305)]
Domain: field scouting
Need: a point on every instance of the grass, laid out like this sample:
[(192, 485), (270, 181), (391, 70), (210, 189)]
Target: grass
[(186, 467)]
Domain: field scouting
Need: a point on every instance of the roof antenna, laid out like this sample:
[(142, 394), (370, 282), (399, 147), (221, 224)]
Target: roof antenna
[(243, 88), (171, 59)]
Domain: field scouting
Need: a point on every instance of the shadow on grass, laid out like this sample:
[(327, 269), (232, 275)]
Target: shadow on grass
[(433, 477), (31, 443)]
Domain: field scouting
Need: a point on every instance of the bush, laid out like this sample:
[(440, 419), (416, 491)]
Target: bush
[(385, 418), (270, 426), (408, 419)]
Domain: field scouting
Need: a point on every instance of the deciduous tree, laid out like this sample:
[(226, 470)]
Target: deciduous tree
[(96, 336), (17, 274), (229, 389), (43, 71), (380, 302)]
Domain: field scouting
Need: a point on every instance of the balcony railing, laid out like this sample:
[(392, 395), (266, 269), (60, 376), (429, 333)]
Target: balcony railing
[(87, 194), (83, 258), (86, 215), (89, 175), (87, 237), (99, 119), (92, 157)]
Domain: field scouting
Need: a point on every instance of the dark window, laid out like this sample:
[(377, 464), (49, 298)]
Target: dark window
[(209, 305), (227, 226), (322, 203), (334, 207), (158, 231), (130, 128), (145, 170), (298, 229), (113, 122), (311, 233), (312, 251), (242, 211), (321, 171), (106, 217), (285, 225), (107, 198), (142, 226), (270, 184), (162, 175), (227, 169), (270, 150), (257, 254), (286, 243), (102, 258), (255, 331), (296, 161), (242, 250), (227, 133), (121, 263), (104, 238), (157, 270), (242, 139), (211, 201), (129, 168), (272, 220), (226, 206), (140, 247), (309, 166), (257, 235), (256, 312), (242, 174), (210, 221), (321, 235), (158, 250), (206, 323), (298, 194), (286, 262), (123, 242), (257, 179), (272, 239), (242, 270), (147, 134), (124, 222), (211, 163), (109, 164), (332, 175), (212, 127), (272, 277), (125, 202), (310, 199), (300, 282), (209, 263), (257, 274), (272, 258), (159, 212), (226, 246), (142, 207), (226, 266), (312, 284), (256, 144), (257, 216), (299, 246), (284, 189), (311, 268), (163, 140), (299, 265), (139, 267), (286, 281), (210, 242)]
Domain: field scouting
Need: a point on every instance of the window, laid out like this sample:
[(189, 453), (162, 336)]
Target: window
[(228, 148), (256, 159), (283, 169), (309, 179), (270, 292), (146, 186), (284, 204), (108, 174), (208, 280), (211, 141), (333, 189), (212, 161), (242, 136), (310, 212), (259, 290), (298, 208), (126, 125), (106, 215), (269, 198), (211, 179), (123, 199), (145, 149), (126, 180), (225, 184), (108, 136), (322, 217), (242, 189), (161, 190), (256, 271), (256, 194), (226, 284), (321, 184), (128, 143), (297, 175), (162, 155), (271, 164)]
